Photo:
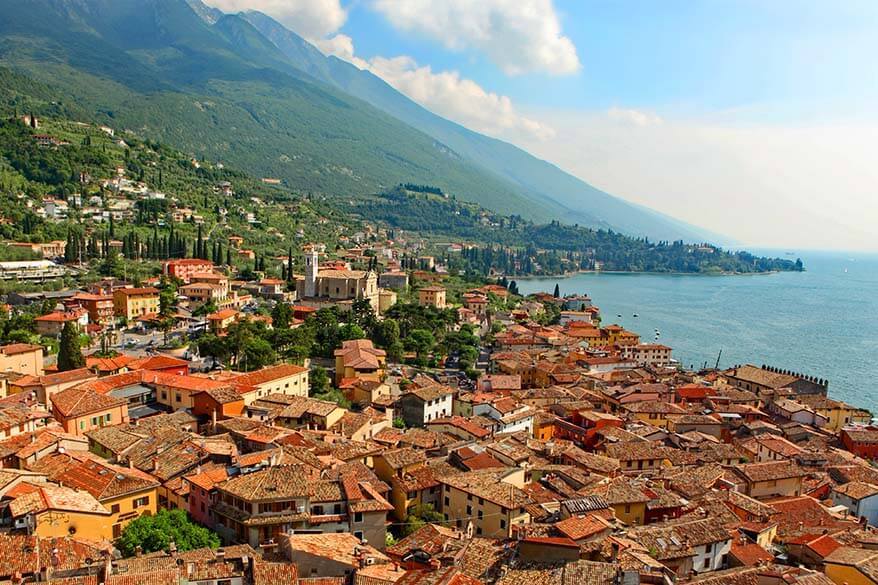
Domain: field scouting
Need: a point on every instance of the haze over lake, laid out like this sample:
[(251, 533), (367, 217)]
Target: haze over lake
[(822, 322)]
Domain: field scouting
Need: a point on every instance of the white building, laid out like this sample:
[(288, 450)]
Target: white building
[(860, 498)]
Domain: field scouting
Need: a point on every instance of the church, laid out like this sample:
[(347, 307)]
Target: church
[(334, 286)]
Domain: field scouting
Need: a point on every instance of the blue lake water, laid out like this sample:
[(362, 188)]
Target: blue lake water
[(821, 322)]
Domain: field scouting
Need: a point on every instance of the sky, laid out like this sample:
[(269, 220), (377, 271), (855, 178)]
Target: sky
[(754, 119)]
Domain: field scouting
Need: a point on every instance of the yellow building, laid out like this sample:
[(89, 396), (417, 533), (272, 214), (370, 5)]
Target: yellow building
[(492, 500), (851, 566), (432, 296), (49, 510), (126, 493), (653, 412), (359, 359), (838, 414), (132, 303), (625, 497)]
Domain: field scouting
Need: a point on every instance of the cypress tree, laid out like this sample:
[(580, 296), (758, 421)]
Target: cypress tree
[(70, 352)]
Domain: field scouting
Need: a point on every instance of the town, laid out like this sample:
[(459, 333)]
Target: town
[(359, 411)]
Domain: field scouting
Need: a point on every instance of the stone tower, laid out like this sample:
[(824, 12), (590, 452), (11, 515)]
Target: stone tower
[(311, 269)]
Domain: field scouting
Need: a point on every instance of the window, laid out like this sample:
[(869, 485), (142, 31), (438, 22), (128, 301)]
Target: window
[(447, 501), (469, 510), (109, 417), (708, 547), (469, 497), (480, 514), (114, 508), (177, 397), (502, 522), (359, 534), (358, 518), (627, 508), (164, 395), (141, 502), (478, 530)]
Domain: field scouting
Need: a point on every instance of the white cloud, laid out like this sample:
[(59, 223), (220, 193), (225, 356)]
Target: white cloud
[(765, 185), (445, 93), (342, 46), (462, 100), (520, 36), (636, 117), (313, 19)]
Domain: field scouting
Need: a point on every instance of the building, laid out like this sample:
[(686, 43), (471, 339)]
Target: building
[(698, 546), (220, 321), (185, 268), (648, 354), (34, 270), (418, 406), (861, 440), (100, 308), (768, 379), (46, 386), (274, 501), (51, 324), (49, 510), (334, 285), (491, 499), (394, 280), (432, 296), (22, 358), (860, 498), (287, 379), (133, 303), (359, 359), (127, 493), (80, 410), (770, 479)]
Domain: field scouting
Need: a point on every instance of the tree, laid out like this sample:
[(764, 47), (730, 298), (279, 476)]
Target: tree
[(256, 354), (418, 516), (282, 316), (110, 264), (557, 293), (319, 381), (421, 341), (155, 533), (70, 351), (167, 309)]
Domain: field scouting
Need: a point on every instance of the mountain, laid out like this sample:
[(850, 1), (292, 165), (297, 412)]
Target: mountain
[(242, 89), (541, 180)]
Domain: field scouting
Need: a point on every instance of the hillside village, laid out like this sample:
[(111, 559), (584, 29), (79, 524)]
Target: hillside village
[(339, 404)]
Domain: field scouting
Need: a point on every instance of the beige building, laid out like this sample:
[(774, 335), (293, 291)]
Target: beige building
[(132, 303), (491, 499), (432, 296), (335, 286), (21, 358)]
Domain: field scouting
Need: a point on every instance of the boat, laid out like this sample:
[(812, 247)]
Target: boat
[(635, 315)]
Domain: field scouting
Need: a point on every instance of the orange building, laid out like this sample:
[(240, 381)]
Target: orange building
[(80, 410), (186, 267)]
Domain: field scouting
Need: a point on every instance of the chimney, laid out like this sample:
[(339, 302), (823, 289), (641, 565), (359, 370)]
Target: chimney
[(138, 551), (155, 464), (172, 548), (220, 554)]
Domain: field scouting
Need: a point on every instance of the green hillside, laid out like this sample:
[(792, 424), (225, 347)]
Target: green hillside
[(223, 92), (539, 180)]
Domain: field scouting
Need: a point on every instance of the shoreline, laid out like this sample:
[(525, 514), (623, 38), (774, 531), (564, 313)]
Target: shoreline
[(638, 272)]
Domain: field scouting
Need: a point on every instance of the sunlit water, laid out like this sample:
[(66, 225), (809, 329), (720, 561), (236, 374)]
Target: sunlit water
[(822, 322)]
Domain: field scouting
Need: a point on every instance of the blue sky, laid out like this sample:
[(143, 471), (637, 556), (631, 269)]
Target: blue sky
[(753, 118)]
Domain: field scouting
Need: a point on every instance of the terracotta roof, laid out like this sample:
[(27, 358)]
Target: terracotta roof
[(770, 471), (579, 527), (76, 402), (269, 374)]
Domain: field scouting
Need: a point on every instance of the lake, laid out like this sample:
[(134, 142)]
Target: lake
[(821, 322)]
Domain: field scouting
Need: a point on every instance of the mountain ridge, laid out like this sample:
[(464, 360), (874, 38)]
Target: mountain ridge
[(218, 86)]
